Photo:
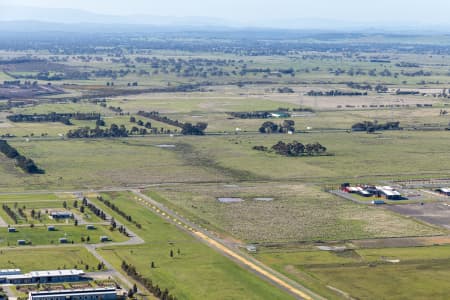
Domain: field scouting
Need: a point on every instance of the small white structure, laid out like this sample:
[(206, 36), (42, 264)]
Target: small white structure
[(82, 294)]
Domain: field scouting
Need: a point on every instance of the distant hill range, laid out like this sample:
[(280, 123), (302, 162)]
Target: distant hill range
[(32, 19)]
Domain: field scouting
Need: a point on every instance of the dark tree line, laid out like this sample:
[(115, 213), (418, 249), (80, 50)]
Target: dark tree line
[(119, 211), (334, 93), (26, 164), (147, 283), (10, 213), (373, 126), (54, 117), (186, 128), (252, 115), (154, 115), (294, 149), (94, 209)]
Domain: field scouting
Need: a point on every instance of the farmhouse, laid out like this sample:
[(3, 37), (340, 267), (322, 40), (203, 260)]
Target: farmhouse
[(44, 277), (61, 215), (444, 191), (84, 294)]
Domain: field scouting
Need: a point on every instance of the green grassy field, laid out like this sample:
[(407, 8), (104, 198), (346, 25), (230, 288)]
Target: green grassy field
[(219, 278), (395, 273), (61, 258)]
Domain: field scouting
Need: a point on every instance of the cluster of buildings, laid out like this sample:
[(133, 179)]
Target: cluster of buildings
[(15, 276), (386, 192)]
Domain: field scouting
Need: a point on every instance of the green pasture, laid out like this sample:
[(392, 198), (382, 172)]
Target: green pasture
[(61, 258), (394, 273)]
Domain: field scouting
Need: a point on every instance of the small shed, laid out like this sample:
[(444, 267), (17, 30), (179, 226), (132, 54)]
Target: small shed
[(378, 202), (444, 191), (104, 238), (51, 228), (251, 248), (21, 242), (61, 215), (12, 229), (63, 241), (90, 227)]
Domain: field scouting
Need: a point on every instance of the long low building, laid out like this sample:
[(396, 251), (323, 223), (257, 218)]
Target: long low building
[(44, 277), (84, 294)]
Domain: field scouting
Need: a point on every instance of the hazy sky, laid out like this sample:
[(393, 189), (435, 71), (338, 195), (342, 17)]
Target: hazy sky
[(417, 11)]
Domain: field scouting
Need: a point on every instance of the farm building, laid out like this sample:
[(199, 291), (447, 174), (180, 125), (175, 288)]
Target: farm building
[(84, 294), (44, 277), (444, 191), (61, 215), (389, 193)]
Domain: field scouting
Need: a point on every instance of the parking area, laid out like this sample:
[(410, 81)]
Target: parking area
[(437, 213)]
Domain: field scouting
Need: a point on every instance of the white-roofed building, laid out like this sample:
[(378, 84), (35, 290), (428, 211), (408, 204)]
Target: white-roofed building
[(84, 294), (45, 277)]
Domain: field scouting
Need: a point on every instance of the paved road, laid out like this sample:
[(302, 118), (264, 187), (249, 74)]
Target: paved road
[(229, 249)]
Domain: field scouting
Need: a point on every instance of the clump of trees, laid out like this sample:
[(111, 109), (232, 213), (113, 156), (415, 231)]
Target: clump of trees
[(97, 132), (197, 129), (374, 126), (26, 164), (147, 283), (271, 127), (294, 149)]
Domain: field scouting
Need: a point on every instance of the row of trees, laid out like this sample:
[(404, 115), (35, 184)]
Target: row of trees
[(147, 283), (11, 213), (54, 117), (26, 164), (334, 93), (373, 126), (294, 148), (154, 115), (271, 127), (119, 211), (186, 128)]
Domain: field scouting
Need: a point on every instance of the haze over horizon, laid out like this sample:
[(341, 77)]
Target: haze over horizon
[(294, 14)]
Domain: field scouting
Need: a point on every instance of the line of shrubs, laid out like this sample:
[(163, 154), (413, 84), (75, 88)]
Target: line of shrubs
[(147, 283), (26, 164)]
